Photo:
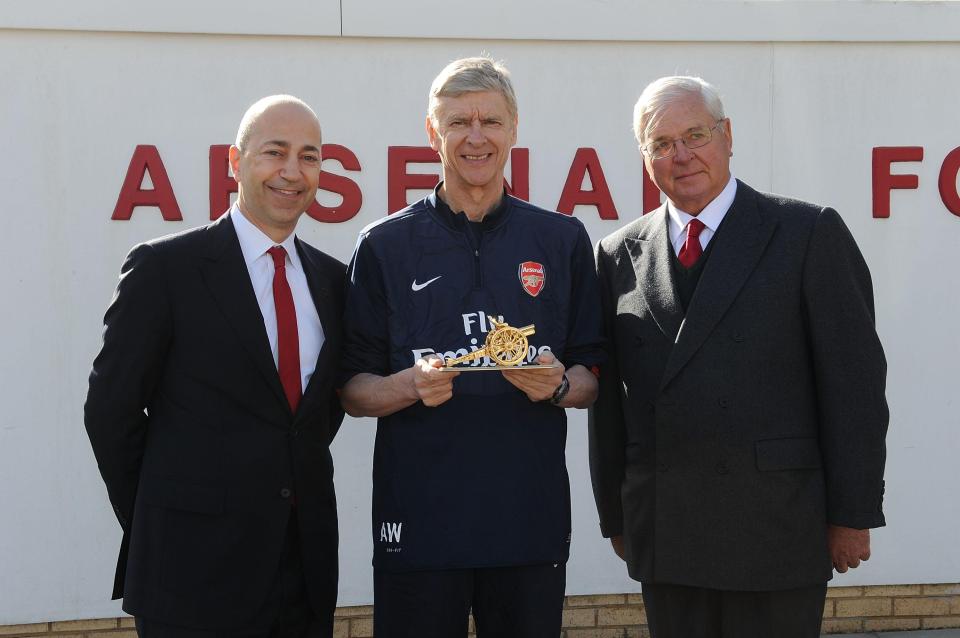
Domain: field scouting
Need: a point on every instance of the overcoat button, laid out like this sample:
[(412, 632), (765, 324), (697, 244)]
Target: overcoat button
[(285, 493)]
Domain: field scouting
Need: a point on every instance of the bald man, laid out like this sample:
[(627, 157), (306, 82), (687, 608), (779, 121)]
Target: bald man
[(211, 406)]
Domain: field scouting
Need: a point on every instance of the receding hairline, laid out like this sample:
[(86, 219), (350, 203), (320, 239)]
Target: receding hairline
[(665, 91), (256, 110)]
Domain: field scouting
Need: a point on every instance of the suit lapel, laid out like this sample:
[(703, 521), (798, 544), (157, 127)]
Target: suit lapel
[(329, 319), (650, 255), (229, 282), (738, 247)]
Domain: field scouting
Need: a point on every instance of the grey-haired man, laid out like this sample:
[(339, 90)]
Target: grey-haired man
[(737, 445)]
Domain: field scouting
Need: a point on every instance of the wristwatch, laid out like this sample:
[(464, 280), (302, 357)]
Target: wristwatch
[(560, 392)]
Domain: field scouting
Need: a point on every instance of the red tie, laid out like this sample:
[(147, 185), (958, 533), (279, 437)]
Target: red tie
[(288, 341), (691, 250)]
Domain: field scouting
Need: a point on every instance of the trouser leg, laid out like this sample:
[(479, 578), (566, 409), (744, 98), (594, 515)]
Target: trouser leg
[(789, 613), (427, 604), (519, 602), (677, 611)]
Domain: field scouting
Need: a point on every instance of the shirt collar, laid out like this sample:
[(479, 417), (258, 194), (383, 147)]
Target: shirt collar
[(254, 243), (711, 215)]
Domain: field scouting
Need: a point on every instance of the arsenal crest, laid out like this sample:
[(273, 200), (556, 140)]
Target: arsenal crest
[(532, 277)]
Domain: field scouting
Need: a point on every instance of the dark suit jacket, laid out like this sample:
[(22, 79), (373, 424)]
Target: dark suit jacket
[(196, 441), (724, 441)]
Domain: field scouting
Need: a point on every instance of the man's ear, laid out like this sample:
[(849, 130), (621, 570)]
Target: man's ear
[(234, 157), (728, 129), (432, 135)]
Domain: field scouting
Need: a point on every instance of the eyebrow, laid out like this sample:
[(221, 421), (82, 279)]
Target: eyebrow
[(284, 144), (692, 128), (463, 115)]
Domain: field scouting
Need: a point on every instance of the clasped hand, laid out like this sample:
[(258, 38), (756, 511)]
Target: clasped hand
[(848, 546)]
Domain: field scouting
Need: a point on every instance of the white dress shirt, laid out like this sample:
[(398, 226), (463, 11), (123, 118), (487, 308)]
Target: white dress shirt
[(254, 245), (711, 216)]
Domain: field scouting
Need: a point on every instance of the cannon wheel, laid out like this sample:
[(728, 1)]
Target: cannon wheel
[(506, 346)]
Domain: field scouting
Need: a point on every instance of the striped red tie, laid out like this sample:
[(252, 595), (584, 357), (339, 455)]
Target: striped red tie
[(288, 340)]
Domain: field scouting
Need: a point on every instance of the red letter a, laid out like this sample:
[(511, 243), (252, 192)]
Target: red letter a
[(586, 162), (147, 158)]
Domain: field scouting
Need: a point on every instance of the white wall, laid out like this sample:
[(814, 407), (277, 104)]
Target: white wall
[(805, 118)]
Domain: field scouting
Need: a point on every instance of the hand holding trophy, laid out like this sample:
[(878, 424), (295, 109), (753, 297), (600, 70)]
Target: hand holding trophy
[(507, 347)]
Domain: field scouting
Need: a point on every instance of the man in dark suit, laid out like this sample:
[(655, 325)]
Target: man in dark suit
[(737, 446), (211, 406)]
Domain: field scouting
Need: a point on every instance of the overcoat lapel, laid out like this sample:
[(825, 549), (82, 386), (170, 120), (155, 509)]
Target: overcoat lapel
[(328, 319), (650, 255), (227, 278), (738, 247)]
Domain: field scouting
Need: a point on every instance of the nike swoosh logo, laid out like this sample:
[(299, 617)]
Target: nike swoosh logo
[(415, 287)]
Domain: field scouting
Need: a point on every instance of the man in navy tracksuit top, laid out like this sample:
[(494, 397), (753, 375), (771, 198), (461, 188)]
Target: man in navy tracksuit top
[(471, 506)]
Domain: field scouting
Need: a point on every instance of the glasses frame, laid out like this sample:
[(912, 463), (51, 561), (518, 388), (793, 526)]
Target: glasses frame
[(673, 143)]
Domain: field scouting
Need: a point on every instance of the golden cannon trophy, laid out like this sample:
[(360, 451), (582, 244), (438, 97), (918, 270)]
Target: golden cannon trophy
[(505, 345)]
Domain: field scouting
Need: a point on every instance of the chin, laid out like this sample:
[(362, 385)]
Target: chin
[(288, 216), (483, 180)]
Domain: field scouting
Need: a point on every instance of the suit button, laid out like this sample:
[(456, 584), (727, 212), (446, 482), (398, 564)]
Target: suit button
[(723, 402), (662, 467), (285, 493), (722, 468)]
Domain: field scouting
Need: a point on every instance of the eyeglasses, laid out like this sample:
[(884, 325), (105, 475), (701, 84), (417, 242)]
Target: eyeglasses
[(694, 138)]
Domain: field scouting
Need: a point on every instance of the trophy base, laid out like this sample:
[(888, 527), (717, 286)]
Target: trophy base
[(532, 366)]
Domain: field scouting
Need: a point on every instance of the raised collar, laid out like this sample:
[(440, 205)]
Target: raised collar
[(459, 221)]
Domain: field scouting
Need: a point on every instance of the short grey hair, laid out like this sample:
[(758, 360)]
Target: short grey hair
[(258, 108), (469, 75), (661, 93)]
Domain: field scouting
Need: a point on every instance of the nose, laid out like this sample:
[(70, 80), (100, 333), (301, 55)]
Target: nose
[(683, 154), (475, 135), (291, 167)]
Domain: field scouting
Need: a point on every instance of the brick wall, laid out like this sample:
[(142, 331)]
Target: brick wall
[(891, 608), (847, 610)]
